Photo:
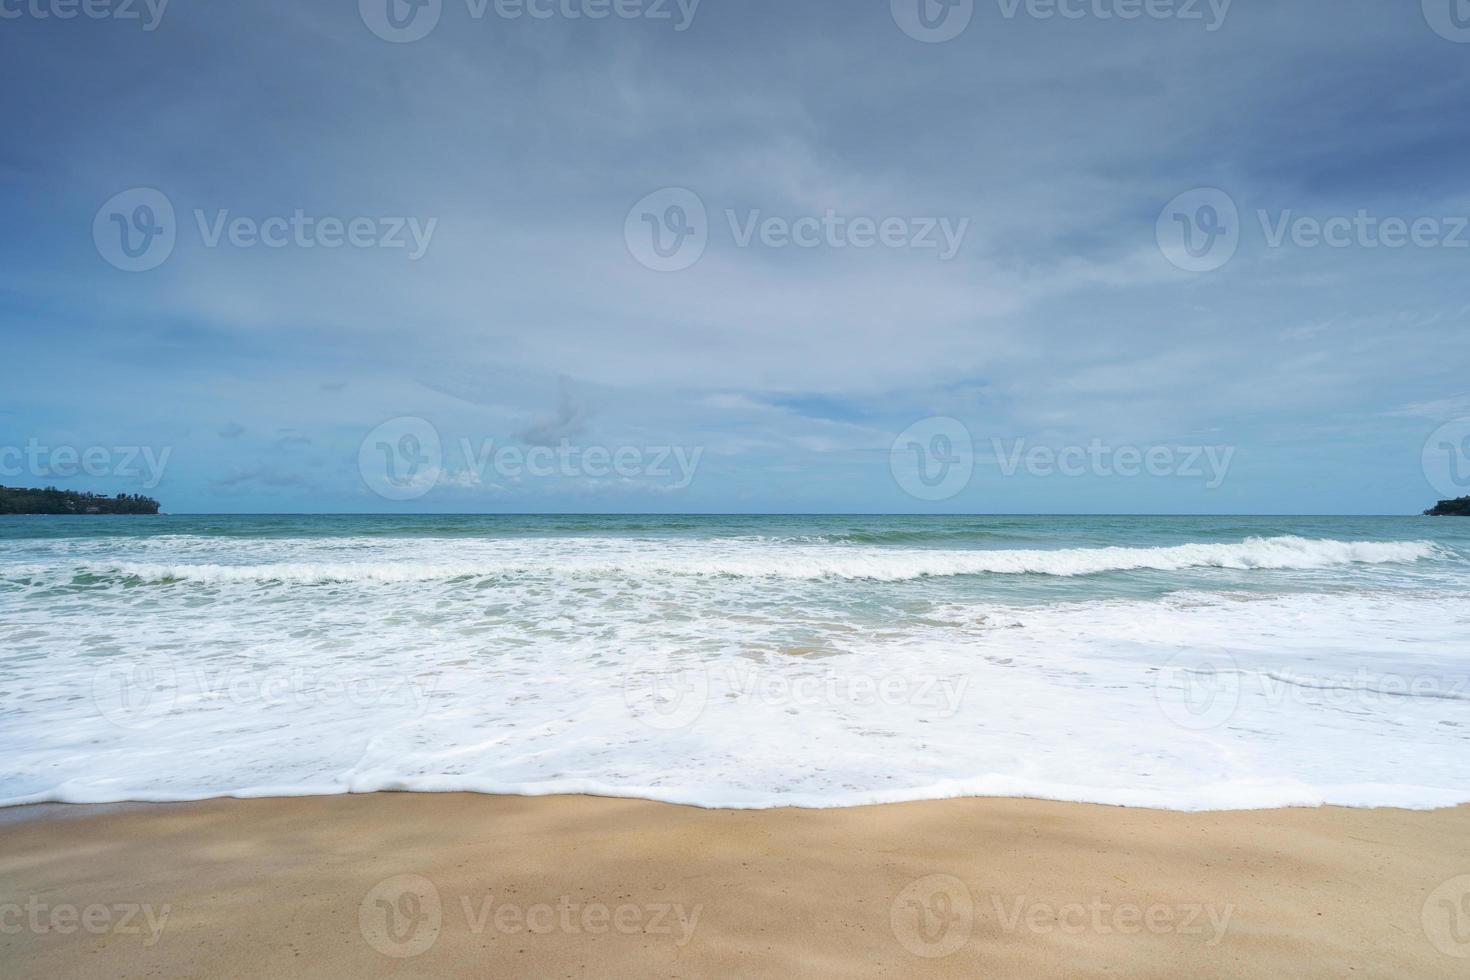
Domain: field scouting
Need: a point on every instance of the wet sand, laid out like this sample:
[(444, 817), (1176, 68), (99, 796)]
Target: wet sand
[(407, 885)]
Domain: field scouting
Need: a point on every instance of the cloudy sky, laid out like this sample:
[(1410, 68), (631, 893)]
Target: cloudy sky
[(719, 256)]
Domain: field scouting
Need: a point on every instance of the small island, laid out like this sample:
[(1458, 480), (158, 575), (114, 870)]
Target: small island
[(1450, 508), (14, 500)]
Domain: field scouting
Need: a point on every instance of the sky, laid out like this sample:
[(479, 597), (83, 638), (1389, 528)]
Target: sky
[(974, 256)]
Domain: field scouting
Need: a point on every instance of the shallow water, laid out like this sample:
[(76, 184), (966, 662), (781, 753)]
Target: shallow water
[(1187, 663)]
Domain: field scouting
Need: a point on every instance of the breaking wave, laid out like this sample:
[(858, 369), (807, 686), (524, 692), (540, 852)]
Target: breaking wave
[(780, 562)]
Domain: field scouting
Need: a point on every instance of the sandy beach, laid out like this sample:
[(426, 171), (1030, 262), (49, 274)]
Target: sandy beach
[(398, 885)]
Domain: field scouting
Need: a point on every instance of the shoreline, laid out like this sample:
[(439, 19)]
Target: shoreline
[(456, 884), (19, 811)]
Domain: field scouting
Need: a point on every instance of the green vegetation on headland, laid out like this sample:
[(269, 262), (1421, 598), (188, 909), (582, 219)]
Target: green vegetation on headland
[(1450, 508), (53, 501)]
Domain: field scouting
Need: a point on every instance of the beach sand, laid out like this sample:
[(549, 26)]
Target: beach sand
[(408, 885)]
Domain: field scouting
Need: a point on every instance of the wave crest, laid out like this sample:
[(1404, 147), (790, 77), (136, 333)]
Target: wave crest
[(792, 562)]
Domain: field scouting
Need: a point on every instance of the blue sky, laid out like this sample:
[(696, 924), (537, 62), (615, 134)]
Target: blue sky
[(528, 153)]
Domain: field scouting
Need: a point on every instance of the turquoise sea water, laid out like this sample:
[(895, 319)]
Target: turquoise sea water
[(748, 661)]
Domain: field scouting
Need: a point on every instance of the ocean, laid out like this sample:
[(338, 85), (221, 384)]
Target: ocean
[(1177, 662)]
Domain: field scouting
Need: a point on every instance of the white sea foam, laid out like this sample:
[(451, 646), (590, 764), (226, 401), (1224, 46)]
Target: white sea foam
[(736, 672), (420, 561)]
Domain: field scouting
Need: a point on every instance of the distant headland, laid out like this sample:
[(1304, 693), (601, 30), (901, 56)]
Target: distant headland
[(14, 500), (1450, 508)]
